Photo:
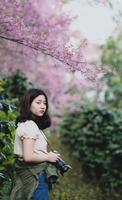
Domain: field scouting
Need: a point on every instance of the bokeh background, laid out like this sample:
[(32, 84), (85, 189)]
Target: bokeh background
[(73, 51)]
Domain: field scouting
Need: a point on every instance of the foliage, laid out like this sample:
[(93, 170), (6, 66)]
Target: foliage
[(10, 89), (6, 131), (4, 192), (112, 58), (94, 136), (17, 82)]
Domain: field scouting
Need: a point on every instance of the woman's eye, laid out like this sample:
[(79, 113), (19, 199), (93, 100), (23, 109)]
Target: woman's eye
[(38, 102), (41, 102)]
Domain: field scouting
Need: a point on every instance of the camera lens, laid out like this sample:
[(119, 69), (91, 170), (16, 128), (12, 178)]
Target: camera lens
[(65, 168), (61, 165)]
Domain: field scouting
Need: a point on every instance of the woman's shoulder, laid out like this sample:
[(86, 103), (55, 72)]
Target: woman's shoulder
[(27, 124), (28, 128)]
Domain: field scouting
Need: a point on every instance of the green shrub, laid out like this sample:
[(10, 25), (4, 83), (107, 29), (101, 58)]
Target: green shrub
[(11, 88), (95, 137), (7, 117), (16, 83)]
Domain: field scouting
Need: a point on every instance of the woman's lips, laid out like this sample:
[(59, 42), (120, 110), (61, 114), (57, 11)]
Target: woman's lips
[(42, 111)]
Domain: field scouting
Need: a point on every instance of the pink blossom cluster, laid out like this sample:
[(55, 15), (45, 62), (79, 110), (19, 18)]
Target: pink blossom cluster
[(28, 28)]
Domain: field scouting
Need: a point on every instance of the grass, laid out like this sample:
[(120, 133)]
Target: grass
[(72, 185)]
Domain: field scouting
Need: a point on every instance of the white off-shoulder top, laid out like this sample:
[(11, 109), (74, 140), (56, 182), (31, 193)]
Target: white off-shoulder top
[(29, 129)]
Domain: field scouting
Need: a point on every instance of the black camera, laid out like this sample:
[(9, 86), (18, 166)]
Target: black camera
[(62, 166), (51, 171), (52, 175)]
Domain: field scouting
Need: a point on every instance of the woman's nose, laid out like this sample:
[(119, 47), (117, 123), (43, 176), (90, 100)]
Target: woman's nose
[(42, 106)]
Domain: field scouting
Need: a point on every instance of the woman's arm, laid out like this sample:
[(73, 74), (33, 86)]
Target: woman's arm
[(30, 156)]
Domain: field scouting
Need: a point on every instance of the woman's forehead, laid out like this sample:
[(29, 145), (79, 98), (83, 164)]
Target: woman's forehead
[(40, 98)]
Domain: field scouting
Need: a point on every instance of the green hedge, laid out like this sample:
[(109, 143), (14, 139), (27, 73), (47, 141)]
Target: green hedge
[(7, 117), (95, 137), (11, 88)]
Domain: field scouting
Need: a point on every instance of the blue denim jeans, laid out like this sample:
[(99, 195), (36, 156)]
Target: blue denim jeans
[(41, 192)]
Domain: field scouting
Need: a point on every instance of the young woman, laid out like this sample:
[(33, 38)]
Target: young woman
[(30, 148)]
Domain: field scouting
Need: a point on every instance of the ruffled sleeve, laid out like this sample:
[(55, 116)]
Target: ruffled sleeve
[(28, 129)]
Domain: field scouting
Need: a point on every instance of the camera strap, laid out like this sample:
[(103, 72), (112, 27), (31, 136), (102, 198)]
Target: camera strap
[(50, 146), (48, 143)]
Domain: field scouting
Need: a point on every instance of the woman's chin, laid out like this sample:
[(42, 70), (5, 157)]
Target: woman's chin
[(40, 114)]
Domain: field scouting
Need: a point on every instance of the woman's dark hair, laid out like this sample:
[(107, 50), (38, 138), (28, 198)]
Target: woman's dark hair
[(25, 113)]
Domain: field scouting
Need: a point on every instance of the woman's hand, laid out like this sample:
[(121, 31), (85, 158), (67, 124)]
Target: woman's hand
[(53, 157)]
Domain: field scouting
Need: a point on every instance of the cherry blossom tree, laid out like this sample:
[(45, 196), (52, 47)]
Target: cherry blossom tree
[(35, 37), (35, 25), (28, 28)]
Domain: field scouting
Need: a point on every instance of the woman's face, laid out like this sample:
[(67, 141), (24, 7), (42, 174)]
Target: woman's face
[(38, 106)]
